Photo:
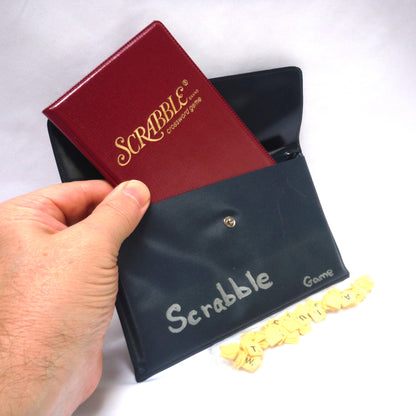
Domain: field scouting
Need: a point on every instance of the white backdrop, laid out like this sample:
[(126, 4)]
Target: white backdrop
[(358, 60)]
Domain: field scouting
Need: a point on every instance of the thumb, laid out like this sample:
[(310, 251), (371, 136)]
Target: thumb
[(120, 212)]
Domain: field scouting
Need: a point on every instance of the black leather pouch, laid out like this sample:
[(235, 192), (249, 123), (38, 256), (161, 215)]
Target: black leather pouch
[(207, 263)]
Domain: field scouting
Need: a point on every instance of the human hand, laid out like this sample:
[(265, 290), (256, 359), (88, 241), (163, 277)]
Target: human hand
[(58, 285)]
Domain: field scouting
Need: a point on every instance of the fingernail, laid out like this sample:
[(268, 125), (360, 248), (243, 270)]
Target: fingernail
[(138, 191)]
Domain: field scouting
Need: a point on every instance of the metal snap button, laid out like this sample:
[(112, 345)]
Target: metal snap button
[(229, 222)]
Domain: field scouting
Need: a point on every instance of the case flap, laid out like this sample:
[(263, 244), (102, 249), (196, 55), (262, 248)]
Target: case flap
[(187, 280)]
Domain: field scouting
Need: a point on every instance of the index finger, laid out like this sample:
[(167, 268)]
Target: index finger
[(66, 203)]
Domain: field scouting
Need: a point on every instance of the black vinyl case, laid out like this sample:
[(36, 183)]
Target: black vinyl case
[(205, 264)]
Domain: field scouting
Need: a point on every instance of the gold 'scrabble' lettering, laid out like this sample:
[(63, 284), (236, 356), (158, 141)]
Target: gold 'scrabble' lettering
[(152, 131)]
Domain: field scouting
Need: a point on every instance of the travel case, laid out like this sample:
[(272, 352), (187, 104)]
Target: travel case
[(205, 264)]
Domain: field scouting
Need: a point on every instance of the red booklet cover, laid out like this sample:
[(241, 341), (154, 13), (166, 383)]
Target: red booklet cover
[(149, 113)]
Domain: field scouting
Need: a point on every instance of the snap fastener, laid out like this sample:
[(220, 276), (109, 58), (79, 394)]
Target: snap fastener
[(229, 222)]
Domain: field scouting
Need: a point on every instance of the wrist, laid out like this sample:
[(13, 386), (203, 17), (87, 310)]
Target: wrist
[(33, 375), (26, 385)]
